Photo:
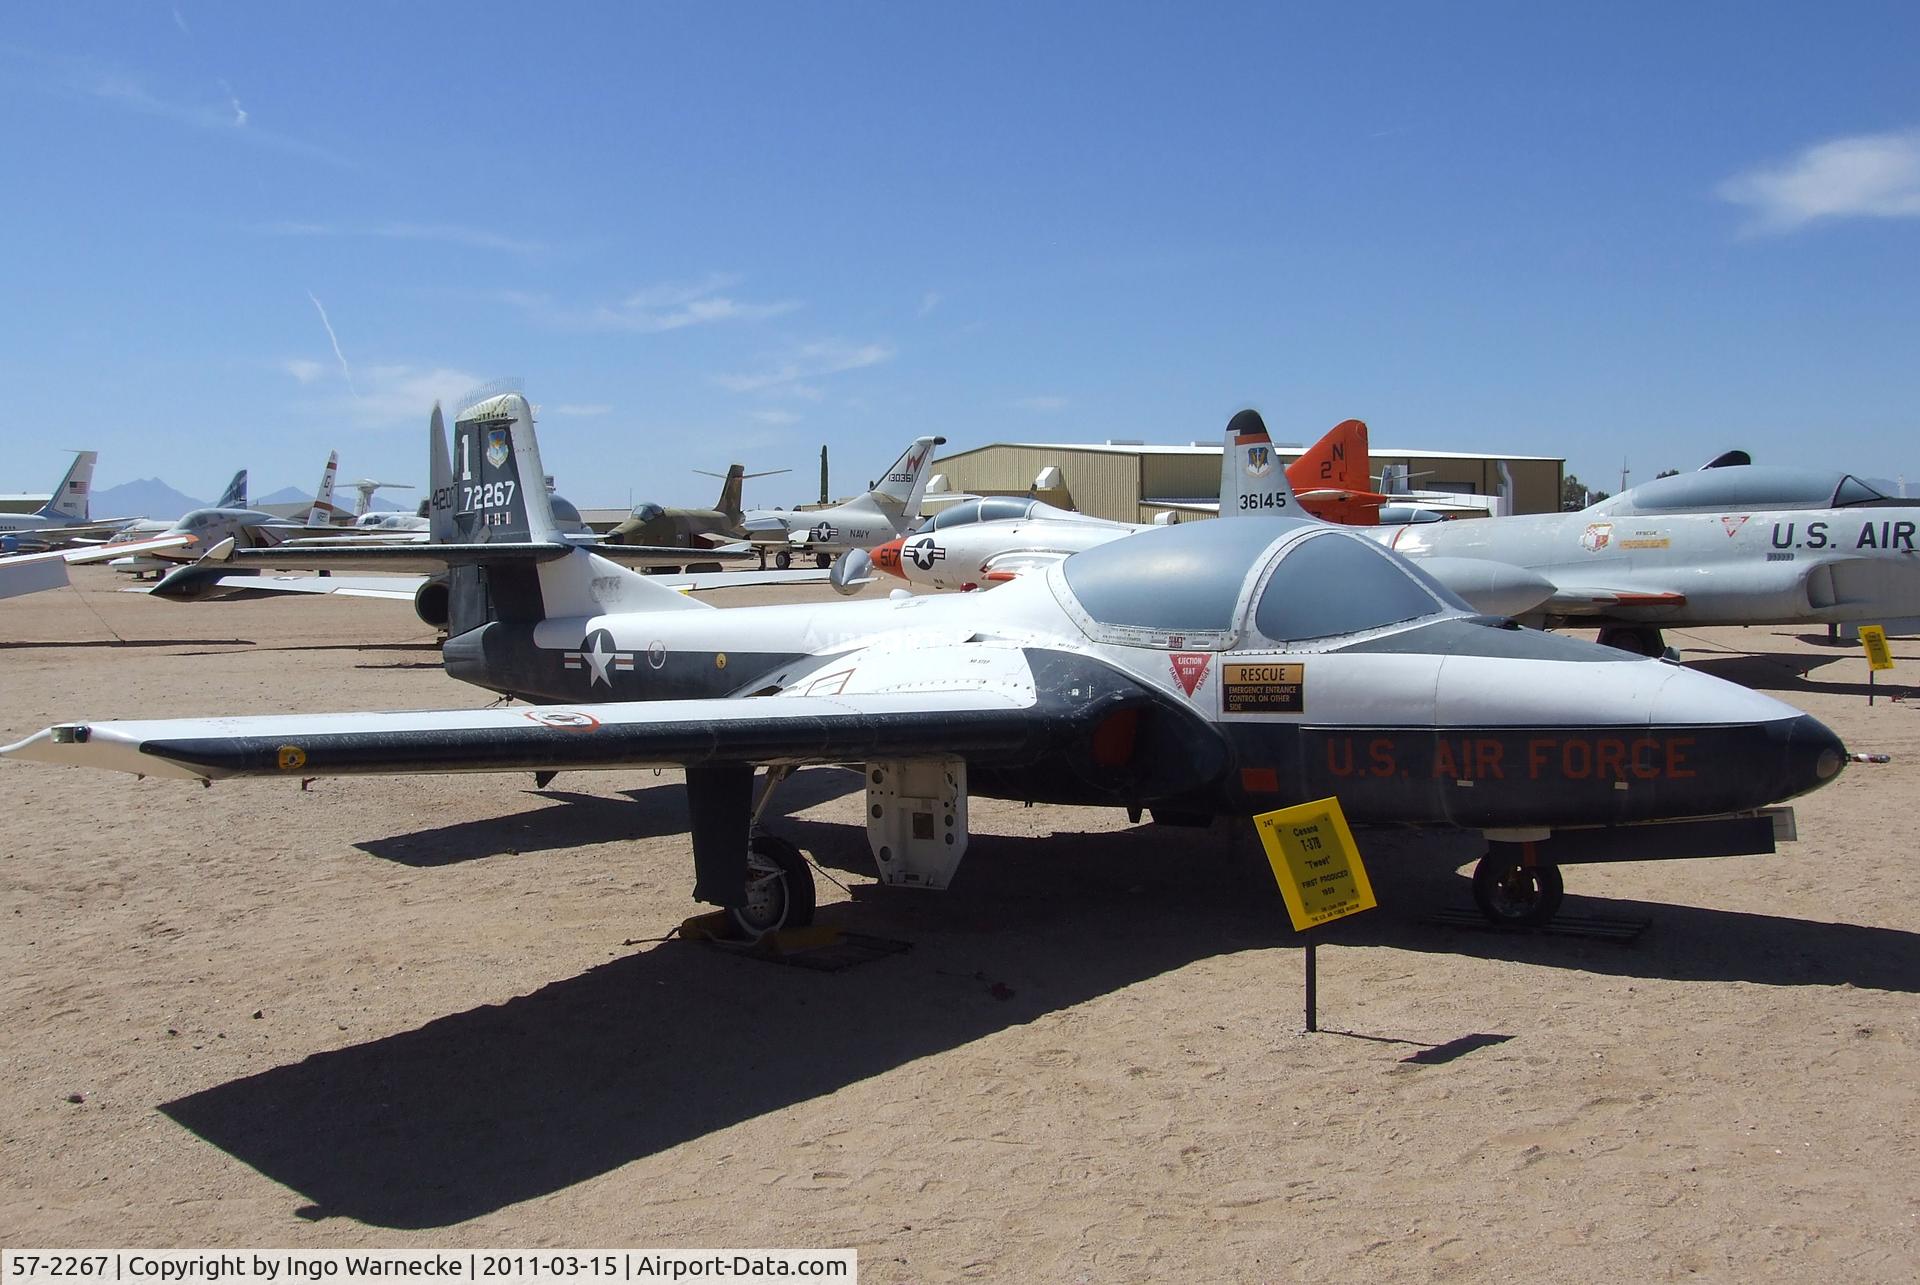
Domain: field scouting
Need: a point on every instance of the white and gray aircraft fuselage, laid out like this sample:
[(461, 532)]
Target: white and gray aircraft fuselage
[(1789, 566)]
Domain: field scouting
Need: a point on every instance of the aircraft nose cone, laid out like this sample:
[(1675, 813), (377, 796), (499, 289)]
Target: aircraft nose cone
[(1814, 756), (887, 557)]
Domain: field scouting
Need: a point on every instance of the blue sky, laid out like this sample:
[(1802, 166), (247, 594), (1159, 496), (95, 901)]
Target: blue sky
[(705, 233)]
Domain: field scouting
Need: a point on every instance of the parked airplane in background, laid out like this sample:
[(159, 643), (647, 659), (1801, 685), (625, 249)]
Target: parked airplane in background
[(663, 526), (63, 518), (205, 528), (1631, 569), (1196, 670), (1330, 479), (889, 508), (1724, 488), (994, 540)]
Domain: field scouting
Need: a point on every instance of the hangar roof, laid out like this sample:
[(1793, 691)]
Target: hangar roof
[(1122, 448)]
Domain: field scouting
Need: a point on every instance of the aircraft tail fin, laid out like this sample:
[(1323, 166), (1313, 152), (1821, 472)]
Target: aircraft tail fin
[(1336, 461), (439, 507), (729, 505), (235, 496), (1251, 479), (499, 496), (321, 514), (899, 490), (68, 502)]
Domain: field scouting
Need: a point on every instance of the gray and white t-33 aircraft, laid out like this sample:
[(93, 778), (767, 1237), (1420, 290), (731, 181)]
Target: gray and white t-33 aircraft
[(1740, 545), (1205, 669)]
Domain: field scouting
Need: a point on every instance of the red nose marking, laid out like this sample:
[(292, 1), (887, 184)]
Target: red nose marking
[(887, 557)]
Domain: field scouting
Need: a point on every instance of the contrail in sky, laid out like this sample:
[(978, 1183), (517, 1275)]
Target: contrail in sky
[(344, 368)]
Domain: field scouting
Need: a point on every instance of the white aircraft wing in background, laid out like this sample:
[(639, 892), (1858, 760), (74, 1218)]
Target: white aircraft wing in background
[(33, 572)]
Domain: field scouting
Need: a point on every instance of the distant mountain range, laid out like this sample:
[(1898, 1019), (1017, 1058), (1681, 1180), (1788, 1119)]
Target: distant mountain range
[(147, 498), (151, 498)]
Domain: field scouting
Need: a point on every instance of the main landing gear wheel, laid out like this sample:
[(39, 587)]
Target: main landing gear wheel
[(1516, 896), (822, 560), (779, 889), (783, 559), (1640, 640)]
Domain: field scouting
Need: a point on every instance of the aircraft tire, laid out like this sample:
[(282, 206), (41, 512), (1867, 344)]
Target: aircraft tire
[(1512, 895), (783, 559), (779, 889), (1640, 640), (822, 561)]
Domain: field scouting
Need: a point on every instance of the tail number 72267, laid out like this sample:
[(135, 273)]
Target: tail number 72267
[(486, 495)]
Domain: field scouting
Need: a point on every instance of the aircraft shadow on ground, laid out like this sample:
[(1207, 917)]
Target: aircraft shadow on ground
[(509, 1102), (132, 642), (565, 819), (1786, 672)]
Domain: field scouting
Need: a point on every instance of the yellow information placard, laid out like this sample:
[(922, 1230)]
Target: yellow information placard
[(1315, 862), (1874, 639)]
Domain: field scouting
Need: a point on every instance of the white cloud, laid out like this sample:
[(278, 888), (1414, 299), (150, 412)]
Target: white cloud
[(785, 372), (446, 233), (581, 409), (1861, 176), (654, 309), (389, 396), (404, 395), (233, 103), (228, 117), (335, 341), (929, 301), (1046, 401), (775, 417), (181, 22)]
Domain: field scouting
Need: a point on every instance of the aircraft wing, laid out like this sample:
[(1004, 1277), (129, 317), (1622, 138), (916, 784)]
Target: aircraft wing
[(1008, 723), (429, 558), (32, 572)]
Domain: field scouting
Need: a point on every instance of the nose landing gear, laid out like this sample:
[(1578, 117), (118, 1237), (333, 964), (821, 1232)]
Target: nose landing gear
[(1512, 894)]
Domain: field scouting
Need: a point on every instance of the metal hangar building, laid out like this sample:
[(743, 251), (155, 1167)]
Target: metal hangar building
[(1130, 481)]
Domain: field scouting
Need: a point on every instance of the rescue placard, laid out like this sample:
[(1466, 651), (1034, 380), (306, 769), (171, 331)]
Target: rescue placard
[(1315, 862), (1874, 639), (1263, 689)]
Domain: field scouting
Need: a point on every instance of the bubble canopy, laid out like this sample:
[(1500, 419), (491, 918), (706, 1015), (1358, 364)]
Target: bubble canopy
[(1189, 580)]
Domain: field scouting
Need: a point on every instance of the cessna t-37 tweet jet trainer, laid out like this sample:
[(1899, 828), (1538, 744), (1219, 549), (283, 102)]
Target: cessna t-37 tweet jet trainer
[(1209, 668)]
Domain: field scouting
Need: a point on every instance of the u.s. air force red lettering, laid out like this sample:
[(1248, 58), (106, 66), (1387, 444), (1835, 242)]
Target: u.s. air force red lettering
[(1586, 757)]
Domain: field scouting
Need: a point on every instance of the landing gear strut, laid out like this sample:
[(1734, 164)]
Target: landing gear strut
[(762, 881), (1514, 895)]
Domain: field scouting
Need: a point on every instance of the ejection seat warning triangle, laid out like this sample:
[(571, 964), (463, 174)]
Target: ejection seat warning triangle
[(1315, 862)]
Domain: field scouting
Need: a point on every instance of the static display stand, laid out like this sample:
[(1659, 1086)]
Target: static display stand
[(1321, 878)]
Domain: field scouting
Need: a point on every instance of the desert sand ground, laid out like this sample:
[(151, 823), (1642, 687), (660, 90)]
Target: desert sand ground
[(436, 1011)]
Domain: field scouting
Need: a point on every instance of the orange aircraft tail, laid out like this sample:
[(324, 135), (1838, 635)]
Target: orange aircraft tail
[(1334, 477)]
